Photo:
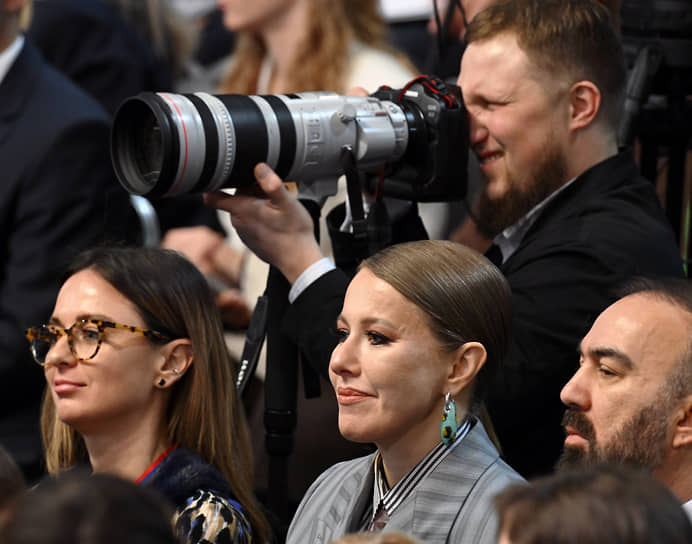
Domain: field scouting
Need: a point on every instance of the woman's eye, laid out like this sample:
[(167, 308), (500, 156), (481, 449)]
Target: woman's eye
[(341, 335), (87, 334), (377, 339)]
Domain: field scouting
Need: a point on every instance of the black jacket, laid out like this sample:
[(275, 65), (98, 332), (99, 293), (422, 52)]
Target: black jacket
[(58, 195)]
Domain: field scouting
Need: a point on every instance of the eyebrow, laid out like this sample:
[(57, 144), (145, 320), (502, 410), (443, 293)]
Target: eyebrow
[(369, 321), (56, 321), (609, 353)]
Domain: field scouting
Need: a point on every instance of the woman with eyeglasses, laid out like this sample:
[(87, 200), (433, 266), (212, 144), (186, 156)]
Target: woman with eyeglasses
[(139, 384)]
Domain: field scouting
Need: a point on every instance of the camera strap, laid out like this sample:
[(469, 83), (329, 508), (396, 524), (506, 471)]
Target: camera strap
[(254, 338), (354, 189)]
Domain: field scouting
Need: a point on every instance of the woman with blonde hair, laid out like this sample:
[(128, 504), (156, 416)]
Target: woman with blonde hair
[(139, 385), (288, 46)]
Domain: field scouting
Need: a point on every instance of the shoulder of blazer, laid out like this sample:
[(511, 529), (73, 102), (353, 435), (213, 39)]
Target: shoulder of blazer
[(329, 504), (468, 479)]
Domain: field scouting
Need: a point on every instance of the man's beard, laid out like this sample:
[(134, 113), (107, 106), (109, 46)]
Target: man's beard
[(640, 441), (525, 191)]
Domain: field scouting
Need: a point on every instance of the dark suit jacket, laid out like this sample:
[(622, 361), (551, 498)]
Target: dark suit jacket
[(58, 195), (603, 229), (606, 227), (88, 41), (454, 503)]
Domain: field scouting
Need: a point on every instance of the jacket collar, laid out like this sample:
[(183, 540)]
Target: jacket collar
[(471, 457), (610, 175), (182, 473)]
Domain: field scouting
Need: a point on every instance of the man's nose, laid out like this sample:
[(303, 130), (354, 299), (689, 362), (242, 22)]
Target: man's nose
[(575, 393), (477, 130)]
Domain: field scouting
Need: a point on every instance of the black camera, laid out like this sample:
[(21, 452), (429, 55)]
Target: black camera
[(411, 142)]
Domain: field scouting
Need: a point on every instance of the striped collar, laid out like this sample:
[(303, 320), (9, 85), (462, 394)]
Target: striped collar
[(392, 498)]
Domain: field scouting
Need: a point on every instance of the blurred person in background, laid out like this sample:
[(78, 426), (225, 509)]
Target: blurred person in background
[(114, 49), (12, 488), (81, 508), (58, 196), (592, 505)]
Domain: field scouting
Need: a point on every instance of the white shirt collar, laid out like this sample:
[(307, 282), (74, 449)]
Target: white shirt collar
[(688, 508), (8, 56), (509, 239)]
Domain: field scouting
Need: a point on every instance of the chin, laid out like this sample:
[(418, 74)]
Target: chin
[(70, 417), (75, 417), (573, 457), (353, 433), (497, 187)]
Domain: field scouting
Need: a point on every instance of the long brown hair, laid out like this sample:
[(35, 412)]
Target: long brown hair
[(205, 414), (320, 62)]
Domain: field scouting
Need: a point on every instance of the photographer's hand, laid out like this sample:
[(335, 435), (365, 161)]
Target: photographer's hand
[(275, 226)]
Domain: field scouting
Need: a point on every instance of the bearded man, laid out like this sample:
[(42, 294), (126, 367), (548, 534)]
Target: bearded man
[(630, 402)]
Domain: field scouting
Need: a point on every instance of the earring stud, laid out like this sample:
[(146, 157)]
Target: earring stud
[(162, 382)]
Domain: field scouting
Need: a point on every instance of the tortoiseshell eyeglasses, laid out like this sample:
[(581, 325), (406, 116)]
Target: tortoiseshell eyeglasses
[(84, 337)]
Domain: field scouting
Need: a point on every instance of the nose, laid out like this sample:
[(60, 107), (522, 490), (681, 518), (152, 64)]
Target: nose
[(60, 353), (478, 132), (344, 358), (575, 393)]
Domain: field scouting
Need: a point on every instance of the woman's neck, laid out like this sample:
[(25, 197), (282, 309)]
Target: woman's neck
[(282, 38), (126, 452), (402, 455)]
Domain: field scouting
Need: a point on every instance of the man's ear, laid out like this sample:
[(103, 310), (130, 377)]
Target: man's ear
[(682, 434), (584, 104), (177, 356), (468, 361)]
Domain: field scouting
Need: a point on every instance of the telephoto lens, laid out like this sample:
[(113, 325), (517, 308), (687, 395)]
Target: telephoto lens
[(166, 144), (411, 143)]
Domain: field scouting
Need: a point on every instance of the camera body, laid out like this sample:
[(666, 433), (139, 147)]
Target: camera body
[(410, 142)]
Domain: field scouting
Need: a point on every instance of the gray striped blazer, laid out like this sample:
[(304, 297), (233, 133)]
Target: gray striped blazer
[(452, 504)]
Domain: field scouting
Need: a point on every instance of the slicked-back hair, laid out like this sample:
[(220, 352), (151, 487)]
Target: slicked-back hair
[(567, 40), (463, 296)]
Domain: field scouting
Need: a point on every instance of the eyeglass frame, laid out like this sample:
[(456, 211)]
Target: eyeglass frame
[(32, 333)]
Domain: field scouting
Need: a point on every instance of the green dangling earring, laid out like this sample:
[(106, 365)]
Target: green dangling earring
[(448, 426)]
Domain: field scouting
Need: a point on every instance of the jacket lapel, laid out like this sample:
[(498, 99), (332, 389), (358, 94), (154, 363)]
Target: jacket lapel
[(352, 495), (16, 87), (433, 508)]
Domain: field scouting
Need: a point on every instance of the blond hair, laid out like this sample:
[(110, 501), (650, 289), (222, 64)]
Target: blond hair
[(321, 60)]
